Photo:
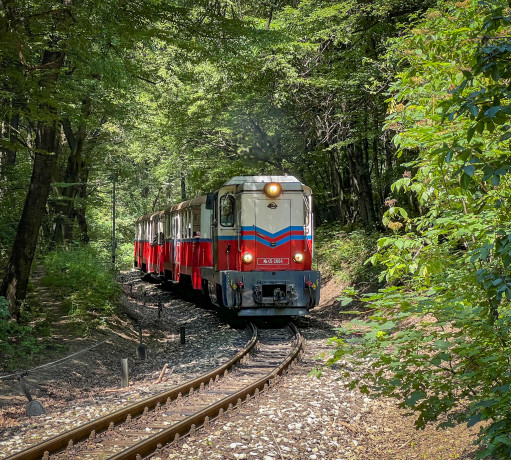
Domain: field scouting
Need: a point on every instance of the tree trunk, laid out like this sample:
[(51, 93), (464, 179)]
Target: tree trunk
[(183, 187), (362, 184), (15, 281), (81, 205), (337, 189), (65, 206), (7, 154)]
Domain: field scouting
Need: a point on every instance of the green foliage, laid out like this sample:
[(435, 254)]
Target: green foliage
[(296, 89), (83, 276), (124, 256), (17, 341), (438, 338), (343, 254)]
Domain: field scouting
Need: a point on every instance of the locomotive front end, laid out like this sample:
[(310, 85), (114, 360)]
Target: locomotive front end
[(262, 240)]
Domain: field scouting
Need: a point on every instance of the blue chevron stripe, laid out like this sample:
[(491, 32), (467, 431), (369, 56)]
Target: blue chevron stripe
[(277, 243), (253, 228)]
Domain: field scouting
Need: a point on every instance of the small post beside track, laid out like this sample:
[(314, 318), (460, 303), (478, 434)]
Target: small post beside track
[(124, 373)]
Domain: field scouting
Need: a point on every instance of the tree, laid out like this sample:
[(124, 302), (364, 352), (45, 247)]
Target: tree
[(55, 56), (438, 335), (55, 24), (303, 93)]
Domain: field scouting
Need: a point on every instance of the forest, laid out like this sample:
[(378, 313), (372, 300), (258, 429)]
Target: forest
[(396, 113)]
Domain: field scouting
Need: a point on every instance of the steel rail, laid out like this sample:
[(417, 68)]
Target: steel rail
[(60, 442), (150, 445)]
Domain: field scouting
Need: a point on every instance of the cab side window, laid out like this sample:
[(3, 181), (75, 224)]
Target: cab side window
[(227, 211)]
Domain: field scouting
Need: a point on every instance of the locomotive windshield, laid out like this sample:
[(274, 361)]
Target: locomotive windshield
[(227, 211)]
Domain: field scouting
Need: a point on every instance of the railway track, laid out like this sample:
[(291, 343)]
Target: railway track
[(143, 428)]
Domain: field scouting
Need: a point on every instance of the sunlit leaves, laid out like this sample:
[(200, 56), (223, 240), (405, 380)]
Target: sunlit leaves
[(452, 260)]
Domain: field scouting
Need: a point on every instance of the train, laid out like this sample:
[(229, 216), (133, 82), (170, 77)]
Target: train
[(247, 247)]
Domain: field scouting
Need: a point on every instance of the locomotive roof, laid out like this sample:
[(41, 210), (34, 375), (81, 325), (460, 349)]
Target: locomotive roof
[(260, 179)]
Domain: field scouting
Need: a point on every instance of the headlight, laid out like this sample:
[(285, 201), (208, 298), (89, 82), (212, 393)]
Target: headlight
[(298, 257), (272, 190), (247, 258)]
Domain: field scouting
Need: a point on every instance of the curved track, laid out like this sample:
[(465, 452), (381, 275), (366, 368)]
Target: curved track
[(141, 429)]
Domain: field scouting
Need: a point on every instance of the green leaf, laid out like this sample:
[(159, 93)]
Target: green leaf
[(415, 396), (470, 133), (492, 111), (344, 301), (403, 213), (465, 180), (475, 419), (469, 170)]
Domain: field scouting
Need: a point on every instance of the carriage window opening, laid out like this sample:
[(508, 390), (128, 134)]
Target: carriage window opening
[(183, 224), (196, 222), (154, 232), (227, 211), (161, 226), (175, 233)]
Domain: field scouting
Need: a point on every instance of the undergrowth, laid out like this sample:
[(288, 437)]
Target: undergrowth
[(84, 277), (17, 340), (343, 254)]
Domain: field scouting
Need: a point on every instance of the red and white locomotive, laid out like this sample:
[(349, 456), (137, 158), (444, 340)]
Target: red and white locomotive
[(248, 246)]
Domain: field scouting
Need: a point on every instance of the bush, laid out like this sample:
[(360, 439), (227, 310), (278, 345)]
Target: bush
[(343, 254), (17, 341), (84, 276), (438, 338), (125, 256)]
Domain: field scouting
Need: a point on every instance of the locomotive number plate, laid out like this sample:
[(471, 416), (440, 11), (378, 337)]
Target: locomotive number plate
[(272, 261)]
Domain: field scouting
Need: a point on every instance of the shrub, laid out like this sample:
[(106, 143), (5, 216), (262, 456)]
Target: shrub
[(84, 275), (343, 254), (17, 341)]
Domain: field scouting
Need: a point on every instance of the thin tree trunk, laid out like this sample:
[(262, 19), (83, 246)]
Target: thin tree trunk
[(65, 207), (183, 187), (82, 206), (7, 154), (362, 184), (337, 191)]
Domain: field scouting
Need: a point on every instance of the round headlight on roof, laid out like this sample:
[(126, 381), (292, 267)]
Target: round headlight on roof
[(272, 190)]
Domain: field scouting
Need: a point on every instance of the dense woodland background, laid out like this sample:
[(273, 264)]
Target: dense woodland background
[(395, 112)]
